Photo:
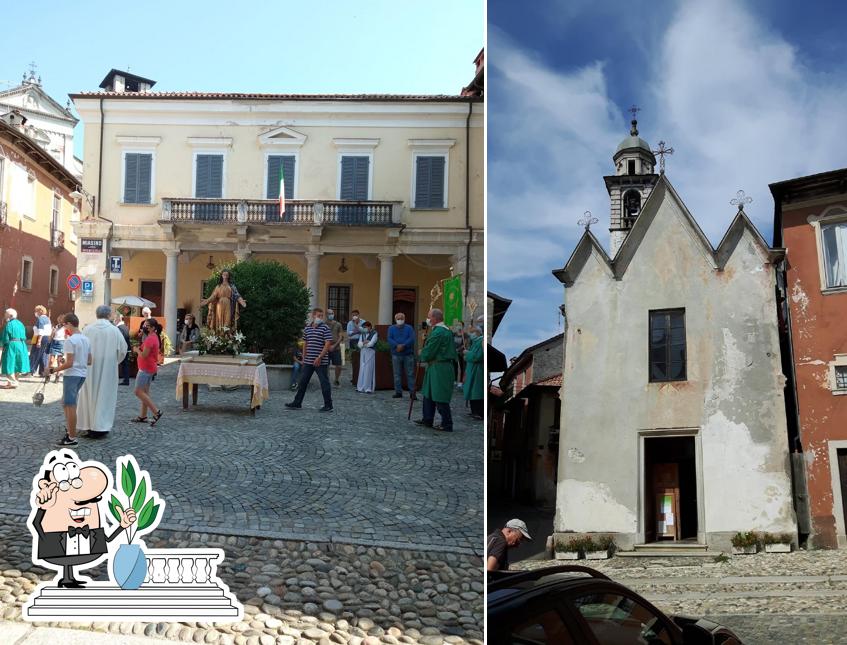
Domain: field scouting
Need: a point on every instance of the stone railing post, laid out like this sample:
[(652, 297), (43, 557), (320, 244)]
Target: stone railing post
[(318, 213), (166, 209)]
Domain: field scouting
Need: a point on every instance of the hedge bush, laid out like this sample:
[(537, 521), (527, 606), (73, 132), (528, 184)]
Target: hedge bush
[(277, 306)]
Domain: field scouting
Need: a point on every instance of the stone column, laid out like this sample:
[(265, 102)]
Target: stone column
[(171, 285), (242, 254), (313, 259), (386, 288)]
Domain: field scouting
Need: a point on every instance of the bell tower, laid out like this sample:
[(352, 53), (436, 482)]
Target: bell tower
[(631, 184)]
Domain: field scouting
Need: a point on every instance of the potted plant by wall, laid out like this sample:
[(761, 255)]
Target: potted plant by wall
[(569, 548), (777, 542), (745, 543), (599, 548), (129, 565)]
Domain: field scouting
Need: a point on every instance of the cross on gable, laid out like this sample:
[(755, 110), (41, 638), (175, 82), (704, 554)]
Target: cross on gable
[(587, 220), (661, 152), (740, 200)]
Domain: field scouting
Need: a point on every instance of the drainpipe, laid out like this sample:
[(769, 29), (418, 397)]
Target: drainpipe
[(107, 282), (468, 200)]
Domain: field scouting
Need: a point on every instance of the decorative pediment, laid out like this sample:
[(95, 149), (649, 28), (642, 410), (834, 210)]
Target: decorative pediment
[(33, 99), (282, 136)]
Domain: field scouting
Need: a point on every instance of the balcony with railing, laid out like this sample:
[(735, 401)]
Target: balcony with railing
[(57, 238), (267, 211)]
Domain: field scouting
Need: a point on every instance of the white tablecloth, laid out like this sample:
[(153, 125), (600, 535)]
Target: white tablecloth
[(195, 372)]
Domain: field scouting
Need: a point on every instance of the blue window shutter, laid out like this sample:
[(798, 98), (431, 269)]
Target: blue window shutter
[(274, 162), (209, 180), (130, 178), (436, 192), (288, 163), (362, 168), (145, 167), (347, 177), (354, 177)]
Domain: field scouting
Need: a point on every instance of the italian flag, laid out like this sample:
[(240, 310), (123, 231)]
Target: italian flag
[(281, 190)]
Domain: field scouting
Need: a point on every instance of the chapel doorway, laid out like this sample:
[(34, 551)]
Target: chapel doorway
[(152, 290), (670, 470), (404, 301)]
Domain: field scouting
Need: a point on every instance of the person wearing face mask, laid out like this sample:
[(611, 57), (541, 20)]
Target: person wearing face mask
[(438, 353), (354, 330), (367, 360), (474, 388), (401, 339), (318, 340), (337, 330)]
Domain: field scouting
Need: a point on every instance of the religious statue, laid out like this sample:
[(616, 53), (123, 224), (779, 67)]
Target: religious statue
[(223, 304)]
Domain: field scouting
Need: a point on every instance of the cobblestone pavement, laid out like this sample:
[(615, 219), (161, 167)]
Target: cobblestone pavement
[(792, 598), (361, 474), (296, 592)]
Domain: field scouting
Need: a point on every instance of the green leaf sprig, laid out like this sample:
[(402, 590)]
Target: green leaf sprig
[(136, 494)]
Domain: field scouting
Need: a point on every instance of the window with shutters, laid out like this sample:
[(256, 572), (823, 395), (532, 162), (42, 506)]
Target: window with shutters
[(209, 175), (667, 345), (138, 177), (430, 181), (354, 183), (277, 168)]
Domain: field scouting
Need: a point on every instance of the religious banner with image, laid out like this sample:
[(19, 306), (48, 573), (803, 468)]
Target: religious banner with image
[(452, 300)]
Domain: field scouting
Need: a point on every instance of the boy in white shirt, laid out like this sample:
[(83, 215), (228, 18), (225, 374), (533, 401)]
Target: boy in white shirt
[(75, 364)]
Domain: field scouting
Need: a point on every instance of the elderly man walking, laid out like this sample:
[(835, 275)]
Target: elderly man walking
[(438, 353), (498, 544), (99, 394)]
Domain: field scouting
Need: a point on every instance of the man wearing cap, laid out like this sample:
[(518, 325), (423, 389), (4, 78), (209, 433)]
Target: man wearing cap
[(498, 544)]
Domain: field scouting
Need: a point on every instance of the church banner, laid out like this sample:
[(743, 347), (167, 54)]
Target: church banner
[(452, 300)]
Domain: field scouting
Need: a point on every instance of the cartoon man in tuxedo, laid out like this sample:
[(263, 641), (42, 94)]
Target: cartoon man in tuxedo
[(66, 522)]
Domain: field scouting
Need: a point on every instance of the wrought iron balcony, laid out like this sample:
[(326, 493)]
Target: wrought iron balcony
[(57, 238), (266, 211)]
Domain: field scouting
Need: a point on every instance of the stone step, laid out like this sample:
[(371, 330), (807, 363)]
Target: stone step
[(671, 546), (649, 551)]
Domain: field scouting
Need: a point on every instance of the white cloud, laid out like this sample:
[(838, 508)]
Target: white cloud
[(731, 96)]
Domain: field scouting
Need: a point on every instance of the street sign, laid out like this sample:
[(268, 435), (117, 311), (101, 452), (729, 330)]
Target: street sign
[(74, 282), (90, 245), (87, 287), (116, 265)]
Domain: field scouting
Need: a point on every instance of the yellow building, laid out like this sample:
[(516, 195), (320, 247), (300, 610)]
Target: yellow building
[(384, 193)]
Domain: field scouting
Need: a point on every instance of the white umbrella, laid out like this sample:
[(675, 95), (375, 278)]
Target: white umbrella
[(133, 301)]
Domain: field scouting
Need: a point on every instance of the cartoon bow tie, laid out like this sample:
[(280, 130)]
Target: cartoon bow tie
[(75, 530)]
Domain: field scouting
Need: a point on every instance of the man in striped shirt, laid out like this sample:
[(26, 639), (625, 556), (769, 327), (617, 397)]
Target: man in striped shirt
[(318, 340)]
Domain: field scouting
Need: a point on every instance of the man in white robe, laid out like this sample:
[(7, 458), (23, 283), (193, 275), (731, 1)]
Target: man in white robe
[(367, 359), (99, 394)]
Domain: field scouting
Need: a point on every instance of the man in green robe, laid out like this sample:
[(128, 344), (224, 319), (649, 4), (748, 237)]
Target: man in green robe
[(15, 358), (439, 352), (474, 387)]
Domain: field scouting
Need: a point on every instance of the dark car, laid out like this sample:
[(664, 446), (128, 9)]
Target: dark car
[(574, 605)]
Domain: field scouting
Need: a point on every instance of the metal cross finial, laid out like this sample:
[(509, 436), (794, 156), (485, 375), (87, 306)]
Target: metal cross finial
[(634, 109), (587, 220), (661, 152), (740, 199)]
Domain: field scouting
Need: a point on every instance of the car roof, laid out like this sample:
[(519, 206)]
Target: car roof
[(508, 584)]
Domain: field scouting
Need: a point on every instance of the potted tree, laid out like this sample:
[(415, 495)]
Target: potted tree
[(745, 543), (599, 548), (777, 542), (569, 549)]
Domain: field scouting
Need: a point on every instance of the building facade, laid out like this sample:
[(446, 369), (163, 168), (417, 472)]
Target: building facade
[(811, 223), (48, 123), (383, 194), (672, 402), (37, 244)]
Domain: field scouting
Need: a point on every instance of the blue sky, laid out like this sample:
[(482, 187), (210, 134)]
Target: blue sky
[(747, 93), (333, 46)]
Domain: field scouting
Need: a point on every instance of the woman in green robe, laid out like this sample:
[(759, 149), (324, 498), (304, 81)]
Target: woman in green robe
[(474, 387), (15, 359)]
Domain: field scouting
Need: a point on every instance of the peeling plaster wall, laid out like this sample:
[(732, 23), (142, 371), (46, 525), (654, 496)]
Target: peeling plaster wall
[(733, 396), (818, 333)]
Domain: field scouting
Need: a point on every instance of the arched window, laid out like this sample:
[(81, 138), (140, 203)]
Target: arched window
[(631, 206)]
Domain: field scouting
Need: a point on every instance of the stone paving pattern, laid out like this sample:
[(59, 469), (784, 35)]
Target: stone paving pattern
[(350, 527), (767, 598), (362, 473)]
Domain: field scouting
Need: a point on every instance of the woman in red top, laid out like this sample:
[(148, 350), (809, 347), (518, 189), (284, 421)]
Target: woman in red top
[(148, 358)]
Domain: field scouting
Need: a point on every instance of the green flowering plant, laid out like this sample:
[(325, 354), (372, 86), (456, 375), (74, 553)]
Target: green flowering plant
[(223, 341), (139, 496)]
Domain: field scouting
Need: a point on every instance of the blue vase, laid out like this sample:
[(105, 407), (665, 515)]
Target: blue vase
[(129, 566)]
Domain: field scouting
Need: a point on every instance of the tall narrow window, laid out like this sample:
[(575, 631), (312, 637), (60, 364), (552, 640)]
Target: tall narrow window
[(355, 171), (835, 254), (280, 166), (631, 206), (57, 212), (667, 345), (429, 182), (338, 299), (54, 281), (630, 167), (26, 273), (138, 172), (209, 176)]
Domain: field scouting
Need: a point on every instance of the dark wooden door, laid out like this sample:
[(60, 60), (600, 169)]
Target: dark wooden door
[(842, 475), (152, 291), (404, 302)]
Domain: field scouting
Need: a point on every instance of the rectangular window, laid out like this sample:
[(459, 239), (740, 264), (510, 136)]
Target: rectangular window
[(841, 377), (275, 162), (429, 182), (209, 176), (26, 273), (835, 254), (138, 173), (667, 345), (54, 281), (338, 299), (57, 211), (355, 177)]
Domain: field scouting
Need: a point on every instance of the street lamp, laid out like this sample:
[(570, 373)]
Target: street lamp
[(80, 193)]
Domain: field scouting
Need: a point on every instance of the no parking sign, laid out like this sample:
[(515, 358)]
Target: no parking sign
[(74, 282)]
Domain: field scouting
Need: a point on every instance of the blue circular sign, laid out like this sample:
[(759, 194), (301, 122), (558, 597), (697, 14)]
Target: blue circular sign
[(74, 282)]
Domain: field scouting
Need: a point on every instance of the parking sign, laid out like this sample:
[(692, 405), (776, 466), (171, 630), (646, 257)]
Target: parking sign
[(87, 287)]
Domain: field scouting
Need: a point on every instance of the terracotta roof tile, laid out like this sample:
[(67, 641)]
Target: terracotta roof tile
[(251, 96), (553, 381)]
